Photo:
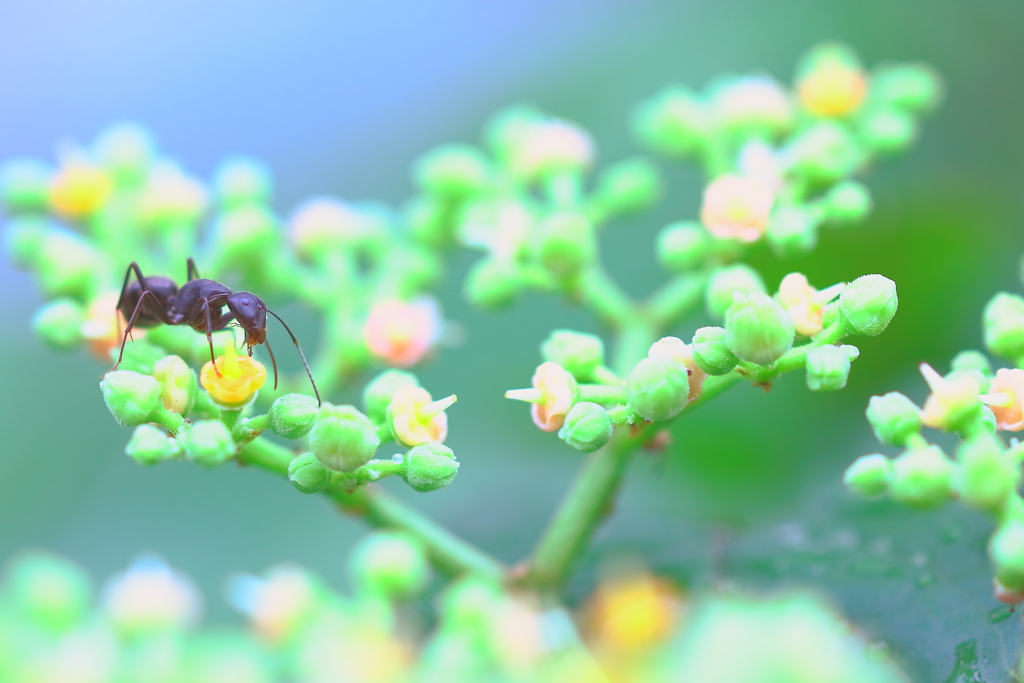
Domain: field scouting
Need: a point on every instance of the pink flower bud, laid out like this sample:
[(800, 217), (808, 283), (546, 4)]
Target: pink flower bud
[(400, 333), (736, 207)]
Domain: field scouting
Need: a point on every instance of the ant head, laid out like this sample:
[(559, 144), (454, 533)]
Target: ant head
[(251, 314)]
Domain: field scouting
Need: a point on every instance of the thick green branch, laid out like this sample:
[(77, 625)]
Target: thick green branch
[(447, 551), (582, 510)]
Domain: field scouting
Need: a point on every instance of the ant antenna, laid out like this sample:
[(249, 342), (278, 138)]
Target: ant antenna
[(272, 361), (301, 355)]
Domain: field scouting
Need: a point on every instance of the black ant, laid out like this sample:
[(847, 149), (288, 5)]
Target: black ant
[(199, 303)]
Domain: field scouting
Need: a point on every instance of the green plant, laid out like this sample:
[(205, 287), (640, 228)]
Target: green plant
[(780, 168)]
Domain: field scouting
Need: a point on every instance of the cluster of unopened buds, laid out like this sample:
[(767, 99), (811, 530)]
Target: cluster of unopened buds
[(145, 625), (575, 393), (175, 418), (975, 403)]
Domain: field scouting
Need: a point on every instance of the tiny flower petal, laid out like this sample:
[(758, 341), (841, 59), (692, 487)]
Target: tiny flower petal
[(558, 394), (416, 418), (1010, 414)]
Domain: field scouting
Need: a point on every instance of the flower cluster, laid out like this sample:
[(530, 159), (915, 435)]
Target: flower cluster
[(575, 393), (976, 403), (779, 161), (174, 418), (78, 224), (145, 626)]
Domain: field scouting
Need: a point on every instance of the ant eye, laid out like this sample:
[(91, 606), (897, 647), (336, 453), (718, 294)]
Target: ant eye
[(245, 301)]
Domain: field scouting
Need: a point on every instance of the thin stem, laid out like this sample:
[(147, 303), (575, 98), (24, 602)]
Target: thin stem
[(583, 508), (448, 552)]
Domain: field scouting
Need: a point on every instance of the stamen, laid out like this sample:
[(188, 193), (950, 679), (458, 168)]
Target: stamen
[(532, 395), (438, 406), (932, 377)]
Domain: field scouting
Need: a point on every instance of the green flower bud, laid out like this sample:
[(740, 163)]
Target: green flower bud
[(150, 445), (452, 171), (987, 474), (428, 220), (848, 202), (308, 474), (972, 360), (869, 476), (379, 391), (711, 353), (1006, 548), (139, 356), (178, 382), (430, 466), (830, 315), (658, 388), (343, 438), (579, 353), (888, 130), (587, 427), (1004, 326), (68, 265), (246, 233), (292, 415), (127, 151), (494, 282), (390, 563), (240, 181), (25, 185), (825, 152), (565, 243), (628, 186), (209, 442), (758, 329), (48, 591), (793, 230), (828, 367), (674, 122), (725, 281), (24, 238), (894, 417), (506, 129), (59, 324), (868, 304), (683, 246), (912, 87), (132, 398), (922, 478)]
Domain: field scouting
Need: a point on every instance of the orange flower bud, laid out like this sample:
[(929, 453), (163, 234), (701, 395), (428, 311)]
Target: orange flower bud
[(736, 207)]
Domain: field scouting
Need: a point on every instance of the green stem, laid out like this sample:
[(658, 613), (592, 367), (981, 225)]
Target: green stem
[(605, 298), (603, 393), (633, 343), (676, 300), (583, 508), (448, 552)]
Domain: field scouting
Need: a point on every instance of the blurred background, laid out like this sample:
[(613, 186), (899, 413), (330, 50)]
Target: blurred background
[(339, 98)]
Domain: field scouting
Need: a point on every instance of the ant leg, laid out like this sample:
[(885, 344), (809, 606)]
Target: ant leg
[(209, 334), (193, 272), (301, 355), (131, 325)]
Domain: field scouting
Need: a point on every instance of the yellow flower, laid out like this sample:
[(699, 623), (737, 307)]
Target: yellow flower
[(416, 418), (633, 613), (235, 379), (79, 190), (835, 85)]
